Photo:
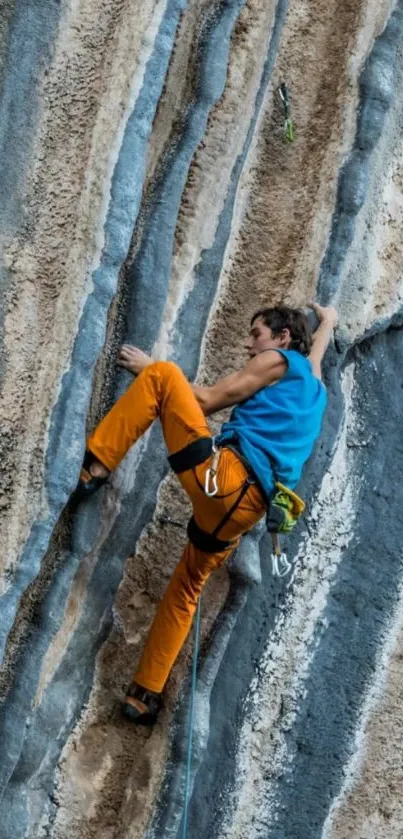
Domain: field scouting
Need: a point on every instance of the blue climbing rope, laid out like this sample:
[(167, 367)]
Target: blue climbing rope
[(191, 715)]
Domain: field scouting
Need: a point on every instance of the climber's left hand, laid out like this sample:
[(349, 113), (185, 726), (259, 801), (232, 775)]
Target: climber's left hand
[(133, 359)]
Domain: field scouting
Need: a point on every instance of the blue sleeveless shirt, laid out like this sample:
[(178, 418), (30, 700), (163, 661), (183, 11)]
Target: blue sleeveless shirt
[(277, 426)]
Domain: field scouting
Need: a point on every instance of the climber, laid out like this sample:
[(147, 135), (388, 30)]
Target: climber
[(280, 401)]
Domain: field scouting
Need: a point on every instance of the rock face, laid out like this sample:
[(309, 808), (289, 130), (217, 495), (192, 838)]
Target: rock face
[(149, 195)]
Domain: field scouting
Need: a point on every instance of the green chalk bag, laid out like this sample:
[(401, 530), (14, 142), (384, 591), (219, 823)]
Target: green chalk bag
[(285, 509)]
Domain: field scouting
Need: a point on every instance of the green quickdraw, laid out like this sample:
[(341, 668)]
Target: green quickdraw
[(289, 130)]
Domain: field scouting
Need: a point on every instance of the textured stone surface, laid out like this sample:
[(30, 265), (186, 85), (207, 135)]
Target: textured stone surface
[(148, 195)]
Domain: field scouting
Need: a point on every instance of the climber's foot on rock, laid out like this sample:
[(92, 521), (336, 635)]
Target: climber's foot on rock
[(92, 476), (141, 706)]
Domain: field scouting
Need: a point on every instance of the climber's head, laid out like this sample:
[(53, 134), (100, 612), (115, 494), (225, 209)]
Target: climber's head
[(279, 328)]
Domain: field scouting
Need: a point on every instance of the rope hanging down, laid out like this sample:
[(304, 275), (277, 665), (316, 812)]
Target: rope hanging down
[(191, 716), (281, 568)]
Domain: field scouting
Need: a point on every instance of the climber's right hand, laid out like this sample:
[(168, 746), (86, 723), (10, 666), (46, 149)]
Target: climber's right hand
[(325, 314)]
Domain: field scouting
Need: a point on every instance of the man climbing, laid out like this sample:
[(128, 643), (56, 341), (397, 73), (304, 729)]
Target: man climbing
[(280, 401)]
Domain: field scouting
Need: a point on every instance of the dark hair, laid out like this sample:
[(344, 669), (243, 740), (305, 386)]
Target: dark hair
[(283, 317)]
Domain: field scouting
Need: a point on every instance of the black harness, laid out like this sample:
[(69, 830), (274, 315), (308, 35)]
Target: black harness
[(187, 458)]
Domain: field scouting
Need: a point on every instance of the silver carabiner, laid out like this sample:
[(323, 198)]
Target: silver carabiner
[(211, 474), (280, 565)]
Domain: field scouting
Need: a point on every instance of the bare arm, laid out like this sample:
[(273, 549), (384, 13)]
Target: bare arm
[(262, 370), (328, 318)]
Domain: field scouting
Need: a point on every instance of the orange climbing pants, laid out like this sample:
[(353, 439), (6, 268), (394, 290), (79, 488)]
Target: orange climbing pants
[(161, 390)]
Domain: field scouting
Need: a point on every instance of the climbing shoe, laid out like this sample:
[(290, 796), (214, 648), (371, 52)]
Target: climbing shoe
[(141, 706), (88, 483)]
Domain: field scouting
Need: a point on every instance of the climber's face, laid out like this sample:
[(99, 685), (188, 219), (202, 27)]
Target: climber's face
[(261, 339)]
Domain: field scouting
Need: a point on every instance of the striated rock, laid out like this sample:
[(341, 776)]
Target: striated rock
[(149, 196)]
